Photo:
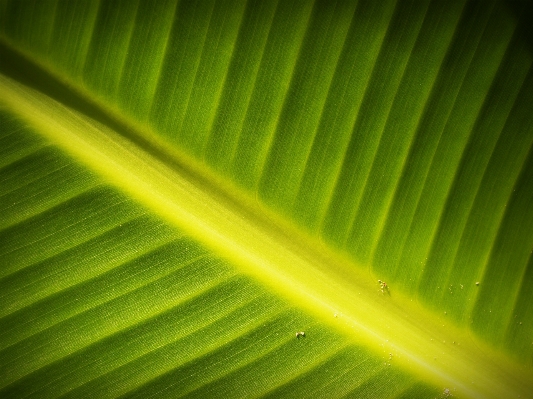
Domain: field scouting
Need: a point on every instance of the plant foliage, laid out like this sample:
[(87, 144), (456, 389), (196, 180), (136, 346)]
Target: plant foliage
[(198, 198)]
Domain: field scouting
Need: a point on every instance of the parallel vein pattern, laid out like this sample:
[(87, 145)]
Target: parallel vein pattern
[(99, 298), (399, 132)]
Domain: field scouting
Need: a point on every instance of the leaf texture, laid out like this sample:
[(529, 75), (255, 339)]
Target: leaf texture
[(398, 134)]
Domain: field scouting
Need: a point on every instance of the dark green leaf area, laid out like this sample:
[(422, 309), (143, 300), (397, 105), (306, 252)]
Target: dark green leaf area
[(15, 141), (62, 226), (30, 185)]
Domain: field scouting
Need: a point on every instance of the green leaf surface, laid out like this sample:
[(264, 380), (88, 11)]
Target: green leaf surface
[(198, 198)]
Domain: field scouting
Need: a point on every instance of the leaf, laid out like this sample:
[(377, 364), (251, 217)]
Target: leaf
[(186, 186)]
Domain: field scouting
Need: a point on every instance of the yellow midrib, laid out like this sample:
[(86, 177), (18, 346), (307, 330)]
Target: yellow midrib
[(298, 268)]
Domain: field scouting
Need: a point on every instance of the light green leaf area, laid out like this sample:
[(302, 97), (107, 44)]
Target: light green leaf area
[(198, 198)]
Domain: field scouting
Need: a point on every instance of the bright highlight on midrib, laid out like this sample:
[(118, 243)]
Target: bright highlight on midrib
[(297, 269), (382, 127)]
